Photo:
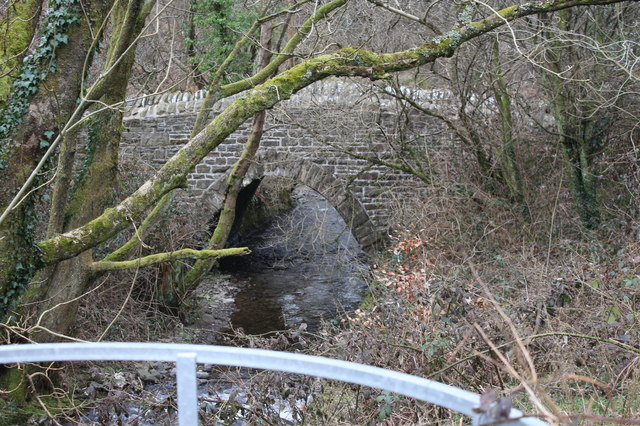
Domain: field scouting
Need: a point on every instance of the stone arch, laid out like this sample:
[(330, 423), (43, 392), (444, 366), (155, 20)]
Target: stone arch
[(321, 179)]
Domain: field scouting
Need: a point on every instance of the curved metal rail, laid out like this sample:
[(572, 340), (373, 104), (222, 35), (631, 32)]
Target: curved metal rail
[(186, 356)]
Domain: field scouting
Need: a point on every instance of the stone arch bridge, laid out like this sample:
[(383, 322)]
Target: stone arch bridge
[(319, 138)]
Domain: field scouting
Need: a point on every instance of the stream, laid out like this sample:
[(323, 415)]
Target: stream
[(304, 267)]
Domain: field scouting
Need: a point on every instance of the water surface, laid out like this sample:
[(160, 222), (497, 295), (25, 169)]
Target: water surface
[(306, 266)]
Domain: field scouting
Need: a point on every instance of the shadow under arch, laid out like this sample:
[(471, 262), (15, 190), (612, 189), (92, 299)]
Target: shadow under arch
[(320, 179)]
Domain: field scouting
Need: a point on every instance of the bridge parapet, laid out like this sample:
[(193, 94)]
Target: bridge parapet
[(330, 91)]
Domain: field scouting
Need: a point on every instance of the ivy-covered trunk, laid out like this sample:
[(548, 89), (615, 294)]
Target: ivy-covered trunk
[(43, 98), (581, 140), (18, 22), (581, 143), (581, 125)]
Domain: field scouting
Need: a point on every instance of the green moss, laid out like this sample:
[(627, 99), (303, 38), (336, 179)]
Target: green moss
[(18, 28), (12, 381), (20, 411), (154, 259), (369, 302), (508, 11), (360, 57)]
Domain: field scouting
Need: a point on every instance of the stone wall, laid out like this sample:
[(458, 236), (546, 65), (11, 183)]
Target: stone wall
[(304, 139)]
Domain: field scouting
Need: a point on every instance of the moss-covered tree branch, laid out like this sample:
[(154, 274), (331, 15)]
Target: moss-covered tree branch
[(141, 231), (344, 62), (156, 258)]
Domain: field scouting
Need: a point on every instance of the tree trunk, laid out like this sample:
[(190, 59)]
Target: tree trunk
[(581, 138), (198, 77), (228, 214), (580, 146), (506, 152), (97, 180), (43, 100)]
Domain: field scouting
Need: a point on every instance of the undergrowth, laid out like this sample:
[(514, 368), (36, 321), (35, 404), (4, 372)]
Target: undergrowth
[(544, 314), (551, 323)]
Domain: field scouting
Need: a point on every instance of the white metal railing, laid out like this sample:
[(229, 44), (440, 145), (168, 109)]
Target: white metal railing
[(186, 357)]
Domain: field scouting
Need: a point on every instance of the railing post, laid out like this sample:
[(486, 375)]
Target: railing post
[(187, 389)]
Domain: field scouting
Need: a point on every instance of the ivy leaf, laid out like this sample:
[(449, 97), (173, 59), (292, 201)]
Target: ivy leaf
[(614, 312), (62, 38)]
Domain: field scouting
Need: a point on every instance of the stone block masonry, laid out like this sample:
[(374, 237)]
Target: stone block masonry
[(306, 138)]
